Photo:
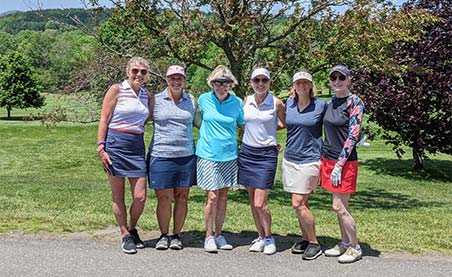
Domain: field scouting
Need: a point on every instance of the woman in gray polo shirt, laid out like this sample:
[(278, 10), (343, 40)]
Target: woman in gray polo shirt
[(171, 156)]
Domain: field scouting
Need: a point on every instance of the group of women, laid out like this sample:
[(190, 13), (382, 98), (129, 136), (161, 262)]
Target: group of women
[(174, 164)]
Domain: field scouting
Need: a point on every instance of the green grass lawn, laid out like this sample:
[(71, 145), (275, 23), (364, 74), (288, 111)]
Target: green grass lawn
[(51, 181)]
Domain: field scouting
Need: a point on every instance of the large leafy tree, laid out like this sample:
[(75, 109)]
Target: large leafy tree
[(414, 105), (18, 85), (245, 33)]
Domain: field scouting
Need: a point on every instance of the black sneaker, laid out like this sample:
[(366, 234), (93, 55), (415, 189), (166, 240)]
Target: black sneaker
[(136, 239), (312, 252), (300, 247), (175, 242), (162, 243), (128, 246)]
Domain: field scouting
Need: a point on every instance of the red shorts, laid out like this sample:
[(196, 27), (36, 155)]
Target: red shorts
[(348, 180)]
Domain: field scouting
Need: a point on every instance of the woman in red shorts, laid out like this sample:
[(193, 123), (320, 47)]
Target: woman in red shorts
[(342, 124)]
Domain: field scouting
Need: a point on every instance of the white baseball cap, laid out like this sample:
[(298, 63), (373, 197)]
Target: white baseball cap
[(260, 71), (302, 75)]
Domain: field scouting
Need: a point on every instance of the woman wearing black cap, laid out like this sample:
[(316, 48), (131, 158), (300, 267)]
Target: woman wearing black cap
[(342, 125)]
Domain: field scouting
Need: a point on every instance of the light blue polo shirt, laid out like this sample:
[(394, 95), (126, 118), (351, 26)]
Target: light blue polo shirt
[(217, 136)]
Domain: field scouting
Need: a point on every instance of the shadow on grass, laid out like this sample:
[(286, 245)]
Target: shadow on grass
[(195, 239), (17, 118), (435, 170), (373, 198)]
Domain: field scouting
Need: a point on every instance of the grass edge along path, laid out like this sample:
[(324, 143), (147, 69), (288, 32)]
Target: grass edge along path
[(51, 181)]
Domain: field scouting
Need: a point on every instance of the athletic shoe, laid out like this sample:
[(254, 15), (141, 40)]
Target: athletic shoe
[(163, 242), (312, 252), (210, 245), (222, 244), (128, 246), (351, 255), (336, 251), (257, 245), (175, 242), (300, 247), (136, 239), (269, 246)]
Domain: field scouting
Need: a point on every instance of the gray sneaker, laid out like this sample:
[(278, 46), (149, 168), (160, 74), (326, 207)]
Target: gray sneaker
[(163, 242), (300, 247), (128, 246), (312, 252), (175, 242), (136, 239)]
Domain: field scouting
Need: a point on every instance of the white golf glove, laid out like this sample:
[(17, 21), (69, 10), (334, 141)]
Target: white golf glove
[(363, 142), (336, 175)]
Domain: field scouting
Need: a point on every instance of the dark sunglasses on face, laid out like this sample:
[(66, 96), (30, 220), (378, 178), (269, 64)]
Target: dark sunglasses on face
[(221, 83), (136, 70), (341, 77), (263, 80)]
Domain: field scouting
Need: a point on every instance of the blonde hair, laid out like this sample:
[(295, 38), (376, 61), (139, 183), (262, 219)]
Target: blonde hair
[(221, 71), (137, 60)]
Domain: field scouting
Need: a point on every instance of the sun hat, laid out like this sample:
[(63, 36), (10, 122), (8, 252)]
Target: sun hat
[(302, 76), (260, 71), (175, 69), (341, 69)]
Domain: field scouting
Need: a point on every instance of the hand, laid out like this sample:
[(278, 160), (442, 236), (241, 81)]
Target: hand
[(279, 148), (336, 176), (105, 160)]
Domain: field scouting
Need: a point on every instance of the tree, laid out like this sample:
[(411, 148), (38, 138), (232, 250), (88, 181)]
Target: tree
[(414, 105), (18, 86), (183, 30)]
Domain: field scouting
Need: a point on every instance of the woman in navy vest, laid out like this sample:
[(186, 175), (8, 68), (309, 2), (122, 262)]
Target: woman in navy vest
[(171, 156)]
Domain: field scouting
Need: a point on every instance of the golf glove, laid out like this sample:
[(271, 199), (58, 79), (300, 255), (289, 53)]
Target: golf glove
[(336, 175)]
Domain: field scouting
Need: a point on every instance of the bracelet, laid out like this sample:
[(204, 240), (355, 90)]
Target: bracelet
[(100, 148), (101, 142)]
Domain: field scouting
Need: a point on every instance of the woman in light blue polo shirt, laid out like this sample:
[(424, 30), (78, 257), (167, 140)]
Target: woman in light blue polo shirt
[(217, 152)]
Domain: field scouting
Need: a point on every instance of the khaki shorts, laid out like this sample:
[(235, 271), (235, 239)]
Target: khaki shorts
[(300, 178)]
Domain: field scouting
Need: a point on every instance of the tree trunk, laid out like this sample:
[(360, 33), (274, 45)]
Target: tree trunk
[(418, 162), (9, 112)]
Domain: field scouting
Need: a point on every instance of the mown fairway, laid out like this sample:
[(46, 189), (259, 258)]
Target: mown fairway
[(51, 181)]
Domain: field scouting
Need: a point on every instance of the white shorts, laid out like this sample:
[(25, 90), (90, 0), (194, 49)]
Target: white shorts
[(300, 178)]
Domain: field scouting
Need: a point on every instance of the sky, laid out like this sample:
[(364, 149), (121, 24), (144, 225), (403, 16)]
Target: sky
[(27, 5)]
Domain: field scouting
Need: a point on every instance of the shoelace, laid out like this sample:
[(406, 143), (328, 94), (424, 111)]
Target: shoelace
[(256, 240)]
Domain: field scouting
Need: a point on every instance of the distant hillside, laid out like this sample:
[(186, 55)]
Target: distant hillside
[(9, 12), (14, 22)]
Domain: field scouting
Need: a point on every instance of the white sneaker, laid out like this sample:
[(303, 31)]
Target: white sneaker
[(222, 243), (336, 251), (269, 246), (257, 245), (351, 255), (210, 246)]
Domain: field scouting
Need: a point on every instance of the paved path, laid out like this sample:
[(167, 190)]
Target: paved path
[(38, 255)]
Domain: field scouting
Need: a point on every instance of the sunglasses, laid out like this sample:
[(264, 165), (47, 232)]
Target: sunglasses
[(263, 80), (335, 77), (221, 83), (136, 70)]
